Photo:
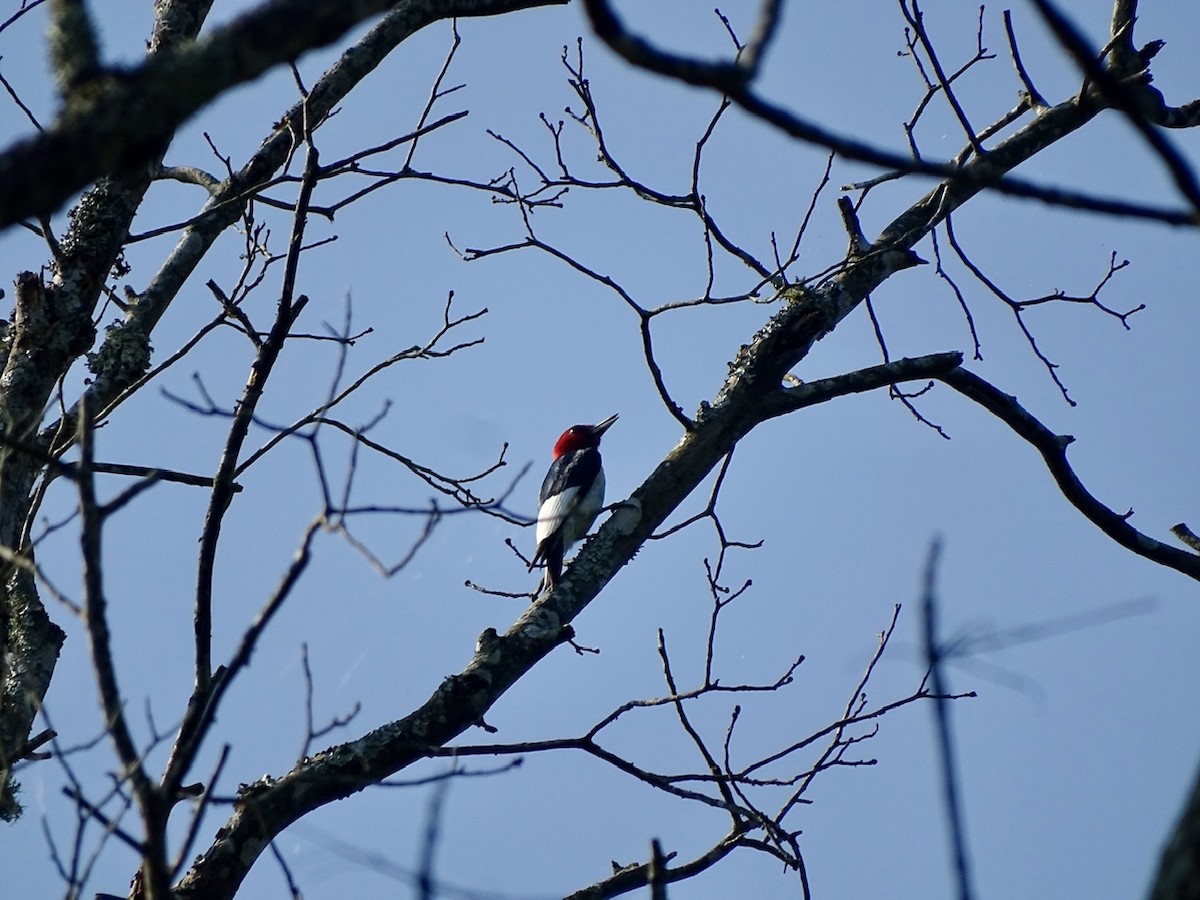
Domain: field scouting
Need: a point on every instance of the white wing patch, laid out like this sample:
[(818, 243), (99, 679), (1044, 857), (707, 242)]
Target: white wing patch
[(553, 512), (572, 512)]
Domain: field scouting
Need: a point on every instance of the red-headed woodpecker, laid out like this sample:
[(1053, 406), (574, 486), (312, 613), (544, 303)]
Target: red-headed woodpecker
[(571, 496)]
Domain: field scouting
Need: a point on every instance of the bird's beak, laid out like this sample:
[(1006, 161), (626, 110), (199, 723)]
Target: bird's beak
[(602, 427)]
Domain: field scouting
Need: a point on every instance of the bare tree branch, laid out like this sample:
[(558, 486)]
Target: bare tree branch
[(988, 172), (289, 308), (1142, 104), (128, 117), (154, 861), (1053, 449)]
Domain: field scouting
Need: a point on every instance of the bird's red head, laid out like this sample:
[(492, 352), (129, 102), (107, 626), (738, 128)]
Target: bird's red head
[(580, 437)]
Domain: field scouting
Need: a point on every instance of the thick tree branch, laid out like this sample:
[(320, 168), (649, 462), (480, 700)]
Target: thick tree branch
[(73, 49), (127, 117), (52, 327), (811, 393)]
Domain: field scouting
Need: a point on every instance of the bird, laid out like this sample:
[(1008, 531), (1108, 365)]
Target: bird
[(571, 497)]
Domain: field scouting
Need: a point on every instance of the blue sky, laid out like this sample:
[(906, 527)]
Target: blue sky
[(1077, 753)]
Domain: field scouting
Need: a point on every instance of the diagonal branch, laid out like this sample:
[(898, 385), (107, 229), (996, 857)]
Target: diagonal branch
[(1053, 448), (289, 308), (154, 857), (629, 878)]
